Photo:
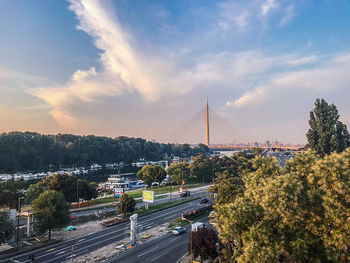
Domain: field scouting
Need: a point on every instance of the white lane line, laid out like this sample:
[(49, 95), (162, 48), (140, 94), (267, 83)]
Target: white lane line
[(144, 253), (60, 253), (175, 238), (157, 257), (86, 247)]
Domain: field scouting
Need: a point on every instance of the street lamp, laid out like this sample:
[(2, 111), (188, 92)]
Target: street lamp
[(72, 256), (185, 219), (19, 213)]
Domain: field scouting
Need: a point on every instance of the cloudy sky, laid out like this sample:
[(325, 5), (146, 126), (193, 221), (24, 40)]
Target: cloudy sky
[(144, 68)]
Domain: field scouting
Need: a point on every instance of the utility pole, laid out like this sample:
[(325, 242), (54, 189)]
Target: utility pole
[(185, 219), (19, 214), (78, 193)]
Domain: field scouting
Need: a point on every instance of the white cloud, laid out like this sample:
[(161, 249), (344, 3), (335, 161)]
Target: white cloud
[(328, 77), (268, 6), (288, 16)]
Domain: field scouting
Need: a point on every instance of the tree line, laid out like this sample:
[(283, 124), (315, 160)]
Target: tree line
[(31, 151)]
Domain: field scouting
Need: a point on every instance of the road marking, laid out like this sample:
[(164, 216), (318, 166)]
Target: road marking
[(59, 253), (175, 238), (157, 257), (81, 240), (51, 249), (147, 252)]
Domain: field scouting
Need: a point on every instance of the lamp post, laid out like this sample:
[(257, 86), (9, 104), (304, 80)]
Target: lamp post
[(19, 213), (72, 256), (185, 219)]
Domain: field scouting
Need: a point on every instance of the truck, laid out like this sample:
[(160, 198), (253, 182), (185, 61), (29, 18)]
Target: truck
[(197, 225)]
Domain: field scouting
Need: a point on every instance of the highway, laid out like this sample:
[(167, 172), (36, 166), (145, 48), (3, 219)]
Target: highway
[(167, 248), (199, 191), (88, 243)]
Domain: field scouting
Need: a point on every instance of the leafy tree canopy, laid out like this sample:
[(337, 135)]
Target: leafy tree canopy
[(51, 211), (296, 214), (10, 191), (126, 204), (179, 172), (151, 173), (6, 226), (67, 185), (326, 134)]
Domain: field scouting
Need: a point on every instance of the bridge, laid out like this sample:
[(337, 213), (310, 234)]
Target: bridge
[(210, 128)]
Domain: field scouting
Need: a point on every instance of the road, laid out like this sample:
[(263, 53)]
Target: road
[(168, 248), (88, 243), (199, 191)]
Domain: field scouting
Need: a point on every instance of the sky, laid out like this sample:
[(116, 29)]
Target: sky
[(145, 68)]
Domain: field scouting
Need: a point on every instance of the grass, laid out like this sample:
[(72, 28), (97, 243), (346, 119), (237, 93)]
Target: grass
[(138, 193), (180, 222), (155, 208)]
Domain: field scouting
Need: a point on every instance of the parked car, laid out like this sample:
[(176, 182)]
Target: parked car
[(204, 201), (155, 184), (69, 228), (178, 230)]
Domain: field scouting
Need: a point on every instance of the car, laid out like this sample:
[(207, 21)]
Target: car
[(204, 201), (155, 184), (185, 194), (178, 230), (211, 214), (69, 228)]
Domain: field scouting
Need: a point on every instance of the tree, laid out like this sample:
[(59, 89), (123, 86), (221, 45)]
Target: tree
[(51, 211), (6, 226), (179, 172), (65, 184), (296, 214), (226, 187), (205, 243), (201, 167), (151, 173), (126, 204), (10, 191), (326, 134)]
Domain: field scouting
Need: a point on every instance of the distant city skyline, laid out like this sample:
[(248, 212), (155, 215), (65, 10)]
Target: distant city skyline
[(144, 68)]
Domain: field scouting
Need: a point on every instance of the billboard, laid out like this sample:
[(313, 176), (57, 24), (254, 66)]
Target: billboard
[(148, 196), (118, 192)]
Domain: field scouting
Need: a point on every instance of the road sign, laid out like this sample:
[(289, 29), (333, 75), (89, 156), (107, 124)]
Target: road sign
[(148, 196), (118, 192)]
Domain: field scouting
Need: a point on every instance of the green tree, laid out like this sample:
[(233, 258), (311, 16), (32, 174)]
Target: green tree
[(34, 190), (201, 167), (151, 173), (126, 204), (65, 184), (179, 172), (226, 187), (51, 211), (326, 134), (6, 226), (10, 191), (296, 214)]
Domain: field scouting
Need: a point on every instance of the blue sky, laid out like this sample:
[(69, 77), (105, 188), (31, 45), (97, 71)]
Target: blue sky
[(143, 68)]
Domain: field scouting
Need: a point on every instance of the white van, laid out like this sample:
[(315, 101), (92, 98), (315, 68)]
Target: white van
[(197, 225)]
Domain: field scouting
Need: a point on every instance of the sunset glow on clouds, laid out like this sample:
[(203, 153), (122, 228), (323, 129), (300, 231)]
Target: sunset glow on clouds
[(262, 64)]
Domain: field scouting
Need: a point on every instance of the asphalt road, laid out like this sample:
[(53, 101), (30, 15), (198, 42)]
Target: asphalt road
[(174, 196), (88, 243), (168, 248)]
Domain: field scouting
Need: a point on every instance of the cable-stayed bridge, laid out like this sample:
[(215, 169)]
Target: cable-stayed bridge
[(194, 129)]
